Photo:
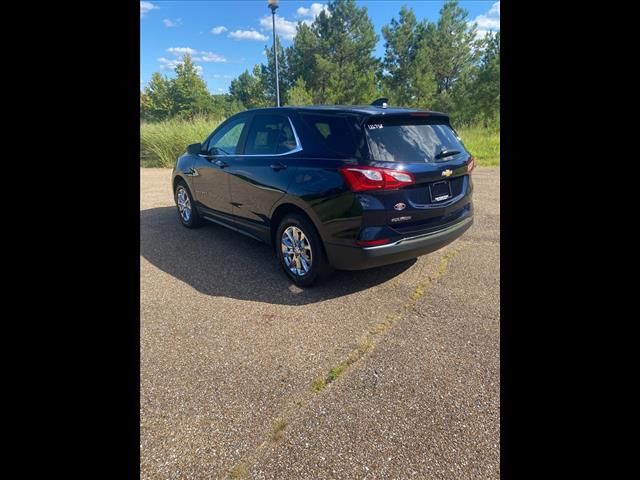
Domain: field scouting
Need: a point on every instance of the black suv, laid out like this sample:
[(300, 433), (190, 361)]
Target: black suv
[(332, 186)]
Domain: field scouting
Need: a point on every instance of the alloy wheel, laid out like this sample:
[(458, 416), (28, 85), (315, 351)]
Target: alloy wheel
[(296, 251), (184, 204)]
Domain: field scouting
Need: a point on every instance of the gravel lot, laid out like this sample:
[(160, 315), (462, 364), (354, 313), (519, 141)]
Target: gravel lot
[(230, 350)]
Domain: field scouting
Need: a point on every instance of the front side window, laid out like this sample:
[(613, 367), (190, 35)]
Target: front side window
[(270, 135), (226, 140)]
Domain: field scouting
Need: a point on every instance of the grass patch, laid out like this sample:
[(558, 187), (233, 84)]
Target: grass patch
[(483, 144), (239, 471), (364, 346), (420, 289), (379, 328), (318, 384), (444, 261), (336, 371), (278, 430), (162, 143), (442, 267)]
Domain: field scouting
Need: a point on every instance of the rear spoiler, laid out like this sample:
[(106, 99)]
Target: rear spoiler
[(435, 117)]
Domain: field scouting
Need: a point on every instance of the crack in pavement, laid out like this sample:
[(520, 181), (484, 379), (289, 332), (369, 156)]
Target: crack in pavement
[(302, 400)]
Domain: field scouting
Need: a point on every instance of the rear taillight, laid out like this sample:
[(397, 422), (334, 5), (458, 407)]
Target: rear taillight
[(373, 178), (372, 243), (471, 164)]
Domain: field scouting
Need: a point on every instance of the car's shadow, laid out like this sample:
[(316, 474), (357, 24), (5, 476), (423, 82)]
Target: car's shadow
[(221, 262)]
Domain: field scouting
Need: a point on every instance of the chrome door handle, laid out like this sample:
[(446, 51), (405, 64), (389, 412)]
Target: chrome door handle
[(278, 166), (221, 164)]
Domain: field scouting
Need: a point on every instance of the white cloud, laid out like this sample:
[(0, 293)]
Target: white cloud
[(488, 21), (166, 64), (171, 64), (218, 30), (313, 11), (146, 7), (284, 28), (221, 89), (248, 35), (182, 51), (211, 57), (170, 23), (196, 56)]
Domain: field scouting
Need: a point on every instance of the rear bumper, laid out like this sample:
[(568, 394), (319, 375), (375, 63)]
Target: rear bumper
[(359, 258)]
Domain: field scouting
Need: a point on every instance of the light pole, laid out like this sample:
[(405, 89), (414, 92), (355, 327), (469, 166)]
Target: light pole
[(273, 5)]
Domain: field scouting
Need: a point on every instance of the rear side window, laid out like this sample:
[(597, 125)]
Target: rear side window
[(270, 135), (334, 132), (413, 140)]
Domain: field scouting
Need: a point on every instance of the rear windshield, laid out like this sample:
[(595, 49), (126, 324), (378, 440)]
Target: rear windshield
[(411, 140)]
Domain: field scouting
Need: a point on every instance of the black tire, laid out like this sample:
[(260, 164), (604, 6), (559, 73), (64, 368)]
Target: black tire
[(319, 268), (194, 219)]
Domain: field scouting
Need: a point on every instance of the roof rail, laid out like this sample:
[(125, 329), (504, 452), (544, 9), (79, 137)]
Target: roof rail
[(380, 102)]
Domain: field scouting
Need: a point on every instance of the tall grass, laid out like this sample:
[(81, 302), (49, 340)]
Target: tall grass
[(483, 144), (162, 143)]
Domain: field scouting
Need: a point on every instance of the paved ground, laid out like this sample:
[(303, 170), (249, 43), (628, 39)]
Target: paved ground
[(230, 351)]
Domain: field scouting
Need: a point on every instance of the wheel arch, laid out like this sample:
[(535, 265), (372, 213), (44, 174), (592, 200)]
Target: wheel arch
[(286, 207), (179, 178)]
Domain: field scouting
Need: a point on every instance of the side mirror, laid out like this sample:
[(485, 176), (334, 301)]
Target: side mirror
[(194, 149)]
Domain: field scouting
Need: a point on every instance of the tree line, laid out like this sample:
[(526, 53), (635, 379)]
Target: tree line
[(440, 65)]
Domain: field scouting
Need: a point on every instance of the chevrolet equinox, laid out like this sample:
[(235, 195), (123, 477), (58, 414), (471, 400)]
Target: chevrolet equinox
[(346, 187)]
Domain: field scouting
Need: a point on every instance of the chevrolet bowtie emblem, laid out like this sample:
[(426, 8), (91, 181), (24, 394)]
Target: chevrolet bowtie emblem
[(447, 173)]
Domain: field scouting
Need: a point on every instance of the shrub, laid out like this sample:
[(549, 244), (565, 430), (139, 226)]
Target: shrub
[(162, 143)]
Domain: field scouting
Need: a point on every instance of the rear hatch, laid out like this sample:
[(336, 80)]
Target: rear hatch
[(426, 146)]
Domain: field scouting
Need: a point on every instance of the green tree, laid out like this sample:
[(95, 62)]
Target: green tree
[(424, 80), (476, 95), (347, 41), (399, 55), (487, 86), (145, 105), (334, 56), (301, 57), (268, 75), (225, 105), (299, 95), (407, 74), (189, 91), (454, 50), (156, 101), (248, 89)]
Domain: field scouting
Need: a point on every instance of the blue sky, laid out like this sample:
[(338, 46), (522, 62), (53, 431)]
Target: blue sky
[(228, 37)]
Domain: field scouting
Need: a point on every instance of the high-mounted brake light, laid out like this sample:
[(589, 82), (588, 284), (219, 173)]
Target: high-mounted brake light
[(471, 164), (372, 178)]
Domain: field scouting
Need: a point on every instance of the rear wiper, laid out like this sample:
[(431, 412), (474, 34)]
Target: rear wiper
[(446, 153)]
